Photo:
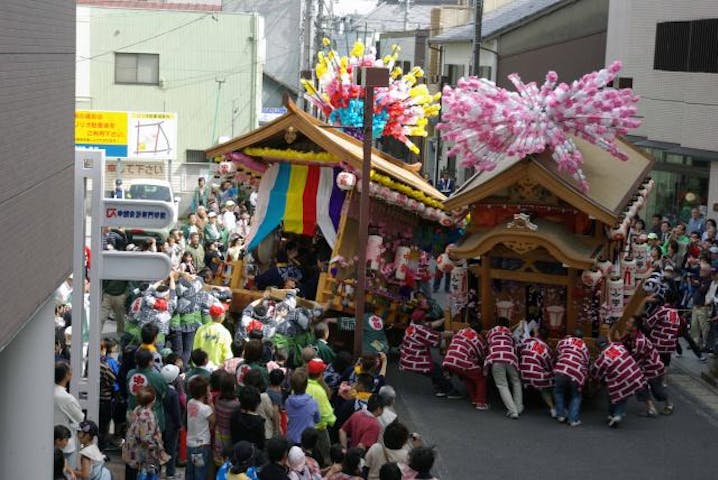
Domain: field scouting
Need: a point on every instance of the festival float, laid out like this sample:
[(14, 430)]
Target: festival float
[(309, 169), (551, 202)]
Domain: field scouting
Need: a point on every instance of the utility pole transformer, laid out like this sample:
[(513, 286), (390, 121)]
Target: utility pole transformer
[(479, 13)]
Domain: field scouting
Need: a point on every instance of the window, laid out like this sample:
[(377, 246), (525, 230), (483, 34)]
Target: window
[(149, 192), (485, 71), (687, 46), (454, 72), (137, 68), (196, 156)]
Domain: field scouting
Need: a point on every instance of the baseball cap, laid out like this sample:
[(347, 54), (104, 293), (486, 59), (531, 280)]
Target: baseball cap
[(212, 214), (229, 203), (316, 366), (713, 249), (216, 310), (652, 236), (169, 373), (89, 427)]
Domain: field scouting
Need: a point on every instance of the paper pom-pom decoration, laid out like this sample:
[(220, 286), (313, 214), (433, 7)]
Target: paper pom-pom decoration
[(400, 110), (487, 123)]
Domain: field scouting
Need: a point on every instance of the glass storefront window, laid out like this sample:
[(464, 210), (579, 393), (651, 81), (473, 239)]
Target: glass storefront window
[(676, 177)]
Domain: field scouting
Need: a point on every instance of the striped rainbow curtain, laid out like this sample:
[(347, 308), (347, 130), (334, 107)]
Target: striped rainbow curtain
[(304, 197)]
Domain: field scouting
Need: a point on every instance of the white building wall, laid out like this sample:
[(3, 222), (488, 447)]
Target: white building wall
[(677, 107), (462, 54), (26, 409)]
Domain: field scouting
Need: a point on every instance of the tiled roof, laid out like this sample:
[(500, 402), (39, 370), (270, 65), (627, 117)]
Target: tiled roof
[(499, 20)]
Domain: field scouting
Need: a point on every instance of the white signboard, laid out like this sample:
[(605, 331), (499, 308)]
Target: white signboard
[(152, 135), (137, 213), (145, 266)]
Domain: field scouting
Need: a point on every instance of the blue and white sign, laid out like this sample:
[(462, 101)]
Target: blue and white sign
[(137, 213)]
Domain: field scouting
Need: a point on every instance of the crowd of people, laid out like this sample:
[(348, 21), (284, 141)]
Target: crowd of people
[(264, 396)]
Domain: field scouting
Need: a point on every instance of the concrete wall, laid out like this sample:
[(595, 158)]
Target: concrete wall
[(37, 66), (570, 59), (26, 410), (37, 54), (197, 49), (570, 40), (678, 107)]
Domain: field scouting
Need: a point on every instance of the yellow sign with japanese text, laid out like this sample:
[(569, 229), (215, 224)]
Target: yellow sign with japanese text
[(100, 128)]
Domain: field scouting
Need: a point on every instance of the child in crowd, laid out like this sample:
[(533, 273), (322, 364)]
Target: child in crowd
[(351, 466), (310, 438), (421, 460), (245, 423), (266, 410), (302, 409), (200, 420), (276, 395), (297, 465), (143, 449), (224, 406), (92, 461), (173, 422), (275, 468), (62, 436), (324, 350)]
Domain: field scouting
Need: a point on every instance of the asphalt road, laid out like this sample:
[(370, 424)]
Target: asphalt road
[(486, 445)]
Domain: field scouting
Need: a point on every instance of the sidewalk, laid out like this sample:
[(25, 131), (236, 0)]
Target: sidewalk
[(687, 373)]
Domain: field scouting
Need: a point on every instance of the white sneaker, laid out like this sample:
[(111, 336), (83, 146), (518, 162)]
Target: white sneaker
[(614, 421), (561, 419), (553, 412), (575, 424)]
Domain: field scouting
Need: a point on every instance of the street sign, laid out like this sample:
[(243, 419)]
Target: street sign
[(140, 266), (137, 213)]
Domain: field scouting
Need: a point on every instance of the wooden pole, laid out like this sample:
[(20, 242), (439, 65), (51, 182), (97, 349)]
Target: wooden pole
[(360, 298), (487, 302), (370, 77)]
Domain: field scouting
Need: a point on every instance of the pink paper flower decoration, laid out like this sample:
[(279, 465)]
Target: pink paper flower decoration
[(487, 123)]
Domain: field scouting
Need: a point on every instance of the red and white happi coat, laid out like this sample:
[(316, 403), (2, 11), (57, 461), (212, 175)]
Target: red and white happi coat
[(466, 351), (620, 371), (415, 354), (665, 326), (572, 358), (501, 348), (536, 364), (645, 353)]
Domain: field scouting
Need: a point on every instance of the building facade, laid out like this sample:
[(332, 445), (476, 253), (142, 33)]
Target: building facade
[(37, 57), (204, 66), (670, 58), (528, 37)]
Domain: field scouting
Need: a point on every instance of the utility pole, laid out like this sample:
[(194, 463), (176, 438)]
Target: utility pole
[(308, 20), (319, 27), (406, 14), (479, 13), (220, 81)]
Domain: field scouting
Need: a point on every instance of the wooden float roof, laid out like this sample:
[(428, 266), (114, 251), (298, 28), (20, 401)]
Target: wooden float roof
[(612, 182), (331, 140)]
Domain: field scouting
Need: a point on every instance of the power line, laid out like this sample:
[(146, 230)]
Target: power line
[(157, 35)]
